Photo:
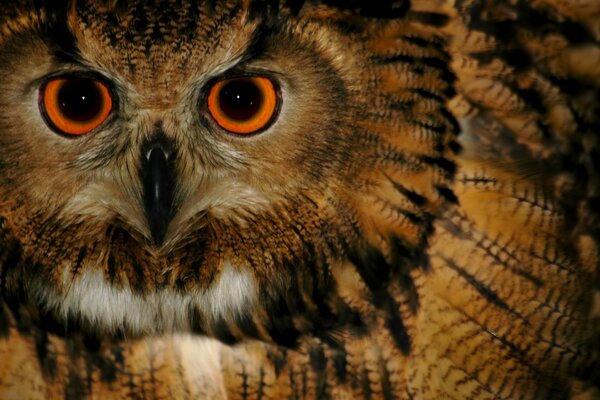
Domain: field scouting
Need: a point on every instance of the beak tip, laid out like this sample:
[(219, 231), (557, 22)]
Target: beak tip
[(158, 232)]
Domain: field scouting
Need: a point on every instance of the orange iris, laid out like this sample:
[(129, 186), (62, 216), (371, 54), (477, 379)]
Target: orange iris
[(75, 106), (243, 105)]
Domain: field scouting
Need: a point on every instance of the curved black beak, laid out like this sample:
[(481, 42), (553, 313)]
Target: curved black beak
[(157, 172)]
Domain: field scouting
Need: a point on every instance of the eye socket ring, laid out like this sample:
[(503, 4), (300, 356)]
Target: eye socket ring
[(244, 105), (74, 106)]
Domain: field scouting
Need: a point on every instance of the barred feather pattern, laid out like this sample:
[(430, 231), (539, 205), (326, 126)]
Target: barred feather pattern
[(463, 260)]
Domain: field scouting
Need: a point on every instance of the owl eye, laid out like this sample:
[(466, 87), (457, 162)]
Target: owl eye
[(243, 105), (75, 106)]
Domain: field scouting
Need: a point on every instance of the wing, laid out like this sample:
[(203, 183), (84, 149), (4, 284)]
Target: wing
[(528, 75), (511, 295)]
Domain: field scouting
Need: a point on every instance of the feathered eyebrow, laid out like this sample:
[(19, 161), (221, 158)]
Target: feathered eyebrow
[(256, 44), (59, 38), (63, 46)]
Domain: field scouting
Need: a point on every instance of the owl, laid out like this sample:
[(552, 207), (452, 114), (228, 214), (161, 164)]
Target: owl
[(263, 199)]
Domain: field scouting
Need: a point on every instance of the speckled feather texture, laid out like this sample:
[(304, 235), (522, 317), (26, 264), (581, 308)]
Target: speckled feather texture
[(421, 221)]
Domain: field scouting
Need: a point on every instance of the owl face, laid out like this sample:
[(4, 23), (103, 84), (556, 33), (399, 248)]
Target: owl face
[(200, 167)]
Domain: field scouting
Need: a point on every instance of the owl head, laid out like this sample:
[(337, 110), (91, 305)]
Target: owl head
[(222, 167)]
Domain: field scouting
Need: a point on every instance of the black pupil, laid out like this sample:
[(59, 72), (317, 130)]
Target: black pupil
[(240, 99), (80, 100)]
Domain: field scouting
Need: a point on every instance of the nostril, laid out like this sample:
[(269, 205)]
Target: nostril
[(158, 140), (158, 147)]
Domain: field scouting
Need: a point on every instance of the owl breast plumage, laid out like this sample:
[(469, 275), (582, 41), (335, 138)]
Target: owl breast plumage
[(299, 199)]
